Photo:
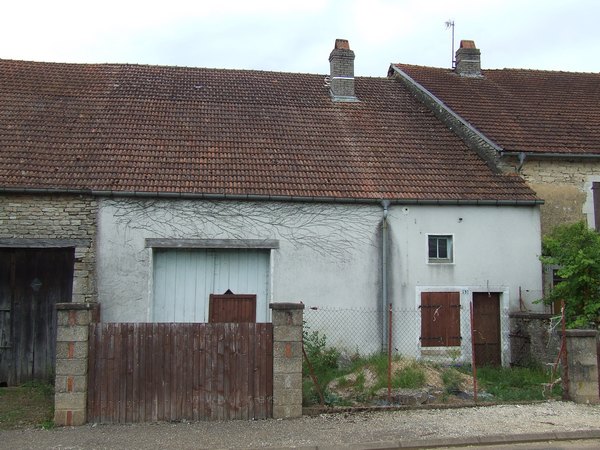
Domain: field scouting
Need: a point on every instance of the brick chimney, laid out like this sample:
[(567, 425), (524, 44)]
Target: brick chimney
[(341, 73), (468, 60)]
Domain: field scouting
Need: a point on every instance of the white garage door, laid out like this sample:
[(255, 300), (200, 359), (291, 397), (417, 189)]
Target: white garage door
[(184, 279)]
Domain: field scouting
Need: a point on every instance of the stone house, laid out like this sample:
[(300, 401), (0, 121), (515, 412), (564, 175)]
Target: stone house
[(165, 186)]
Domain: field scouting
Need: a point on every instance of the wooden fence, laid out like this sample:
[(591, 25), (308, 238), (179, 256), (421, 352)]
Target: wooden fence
[(145, 372)]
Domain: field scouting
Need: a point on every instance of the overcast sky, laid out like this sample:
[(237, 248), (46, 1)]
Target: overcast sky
[(297, 36)]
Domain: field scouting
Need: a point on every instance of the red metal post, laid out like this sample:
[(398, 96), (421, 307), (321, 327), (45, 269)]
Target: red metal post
[(473, 362), (565, 359), (389, 399)]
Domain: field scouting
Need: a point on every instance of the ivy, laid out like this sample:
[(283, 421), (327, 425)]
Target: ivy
[(576, 250)]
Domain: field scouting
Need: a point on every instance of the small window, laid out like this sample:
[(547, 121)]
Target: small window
[(440, 248)]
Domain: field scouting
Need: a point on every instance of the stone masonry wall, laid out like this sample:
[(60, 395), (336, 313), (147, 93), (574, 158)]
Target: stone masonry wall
[(46, 219), (565, 186), (533, 339)]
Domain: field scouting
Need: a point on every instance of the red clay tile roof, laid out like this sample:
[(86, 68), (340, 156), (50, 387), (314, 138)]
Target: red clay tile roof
[(155, 129), (523, 110)]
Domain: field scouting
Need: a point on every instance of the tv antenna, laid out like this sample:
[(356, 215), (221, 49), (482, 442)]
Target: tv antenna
[(450, 24)]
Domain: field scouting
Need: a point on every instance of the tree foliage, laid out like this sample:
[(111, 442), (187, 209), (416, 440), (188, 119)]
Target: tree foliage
[(576, 250)]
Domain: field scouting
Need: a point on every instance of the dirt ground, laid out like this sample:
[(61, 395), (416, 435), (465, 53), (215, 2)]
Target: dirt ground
[(27, 406), (341, 430)]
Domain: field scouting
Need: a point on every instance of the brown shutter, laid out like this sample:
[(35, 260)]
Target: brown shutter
[(596, 198), (232, 308), (440, 319)]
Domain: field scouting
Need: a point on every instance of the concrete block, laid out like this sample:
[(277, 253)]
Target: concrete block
[(288, 317), (77, 383), (288, 380), (71, 350), (71, 367), (77, 333), (287, 365), (287, 412), (283, 349), (70, 418), (288, 397), (287, 333), (70, 400)]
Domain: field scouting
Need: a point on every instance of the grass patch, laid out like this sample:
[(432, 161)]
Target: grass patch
[(29, 405), (516, 383)]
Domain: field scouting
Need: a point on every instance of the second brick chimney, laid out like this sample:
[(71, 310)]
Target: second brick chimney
[(468, 60), (341, 74)]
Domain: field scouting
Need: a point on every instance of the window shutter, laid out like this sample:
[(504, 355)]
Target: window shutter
[(440, 319)]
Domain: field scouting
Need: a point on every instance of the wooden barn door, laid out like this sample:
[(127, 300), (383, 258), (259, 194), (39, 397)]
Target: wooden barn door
[(486, 324), (32, 281)]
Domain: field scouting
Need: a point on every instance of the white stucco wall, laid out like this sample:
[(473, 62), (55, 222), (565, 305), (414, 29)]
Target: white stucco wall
[(329, 257)]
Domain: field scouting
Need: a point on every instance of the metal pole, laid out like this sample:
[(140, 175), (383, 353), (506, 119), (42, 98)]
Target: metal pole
[(389, 397), (473, 361)]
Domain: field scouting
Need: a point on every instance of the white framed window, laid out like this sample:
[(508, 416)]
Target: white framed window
[(440, 248)]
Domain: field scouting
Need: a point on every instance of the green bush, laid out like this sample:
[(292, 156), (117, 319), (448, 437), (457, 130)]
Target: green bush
[(576, 249)]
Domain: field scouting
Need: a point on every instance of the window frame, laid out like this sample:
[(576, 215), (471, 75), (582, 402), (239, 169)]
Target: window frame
[(450, 245)]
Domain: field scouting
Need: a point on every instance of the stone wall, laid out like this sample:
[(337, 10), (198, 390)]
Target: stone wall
[(54, 221), (565, 186), (581, 378), (533, 340)]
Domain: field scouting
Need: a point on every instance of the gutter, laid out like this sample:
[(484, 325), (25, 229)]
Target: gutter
[(550, 155), (280, 198), (442, 105)]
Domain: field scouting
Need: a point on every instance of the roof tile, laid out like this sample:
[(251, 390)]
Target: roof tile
[(157, 129)]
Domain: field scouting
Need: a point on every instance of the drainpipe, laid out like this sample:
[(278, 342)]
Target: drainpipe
[(522, 157), (384, 294)]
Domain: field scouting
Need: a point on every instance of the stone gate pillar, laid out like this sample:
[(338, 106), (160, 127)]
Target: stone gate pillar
[(287, 359), (582, 363), (70, 386)]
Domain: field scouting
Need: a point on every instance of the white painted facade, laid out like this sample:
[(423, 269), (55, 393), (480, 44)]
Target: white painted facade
[(329, 255)]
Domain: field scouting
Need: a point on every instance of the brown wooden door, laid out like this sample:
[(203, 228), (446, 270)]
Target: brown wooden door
[(486, 328), (232, 308), (32, 281)]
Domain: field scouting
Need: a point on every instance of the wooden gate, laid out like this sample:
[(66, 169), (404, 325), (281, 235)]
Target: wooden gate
[(32, 281), (146, 372), (486, 328)]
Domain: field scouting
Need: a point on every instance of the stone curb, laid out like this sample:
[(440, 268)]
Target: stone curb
[(496, 439), (466, 441)]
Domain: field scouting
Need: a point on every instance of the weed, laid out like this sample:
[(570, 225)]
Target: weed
[(516, 383), (409, 377), (452, 380)]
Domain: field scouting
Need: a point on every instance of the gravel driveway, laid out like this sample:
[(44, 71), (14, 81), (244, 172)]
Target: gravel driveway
[(323, 430)]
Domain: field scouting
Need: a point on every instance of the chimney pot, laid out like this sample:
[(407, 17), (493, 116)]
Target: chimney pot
[(468, 60), (341, 72)]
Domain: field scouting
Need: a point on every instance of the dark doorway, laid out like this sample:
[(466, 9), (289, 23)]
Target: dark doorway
[(32, 281), (486, 328)]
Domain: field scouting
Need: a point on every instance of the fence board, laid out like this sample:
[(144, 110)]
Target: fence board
[(142, 372)]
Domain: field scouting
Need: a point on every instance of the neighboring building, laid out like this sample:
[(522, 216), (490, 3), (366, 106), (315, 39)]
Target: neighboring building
[(333, 191), (542, 125)]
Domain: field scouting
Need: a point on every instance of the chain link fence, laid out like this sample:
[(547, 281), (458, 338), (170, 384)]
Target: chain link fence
[(362, 331)]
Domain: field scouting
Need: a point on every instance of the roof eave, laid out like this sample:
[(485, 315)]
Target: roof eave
[(274, 198)]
